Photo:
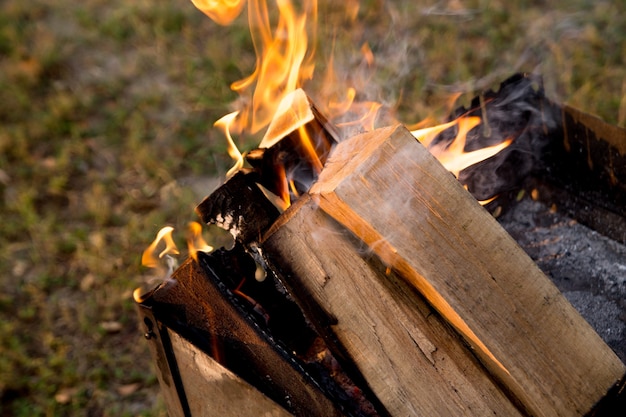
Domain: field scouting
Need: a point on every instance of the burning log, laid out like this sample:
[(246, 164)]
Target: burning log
[(240, 207), (398, 200), (258, 335), (378, 279), (297, 142)]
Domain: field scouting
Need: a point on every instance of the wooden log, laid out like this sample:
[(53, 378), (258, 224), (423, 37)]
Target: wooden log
[(412, 360), (394, 196), (214, 390), (202, 310), (193, 383)]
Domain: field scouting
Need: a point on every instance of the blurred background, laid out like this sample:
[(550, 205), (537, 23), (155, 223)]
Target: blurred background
[(106, 114)]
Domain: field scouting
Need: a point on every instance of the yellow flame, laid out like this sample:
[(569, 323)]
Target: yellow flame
[(137, 295), (223, 12), (487, 201), (148, 257), (453, 156), (282, 62), (284, 186), (427, 134), (309, 148), (224, 124), (195, 241)]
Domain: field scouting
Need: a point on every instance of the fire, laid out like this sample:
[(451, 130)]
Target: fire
[(222, 12), (272, 97), (165, 234), (283, 60), (138, 295), (453, 155), (195, 241), (224, 123)]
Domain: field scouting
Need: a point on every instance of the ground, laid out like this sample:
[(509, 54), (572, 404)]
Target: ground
[(106, 113)]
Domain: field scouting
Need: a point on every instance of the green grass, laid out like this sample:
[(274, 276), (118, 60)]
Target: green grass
[(106, 110)]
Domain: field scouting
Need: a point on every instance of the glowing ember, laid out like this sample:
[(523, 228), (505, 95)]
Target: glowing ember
[(165, 235), (195, 241)]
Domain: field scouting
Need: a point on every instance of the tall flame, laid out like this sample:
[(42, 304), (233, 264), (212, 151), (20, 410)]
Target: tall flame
[(283, 58), (271, 96)]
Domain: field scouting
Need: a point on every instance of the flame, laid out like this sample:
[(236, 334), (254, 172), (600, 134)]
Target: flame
[(224, 123), (453, 156), (148, 257), (292, 113), (272, 98), (283, 59), (195, 241), (222, 12), (309, 149), (137, 295), (283, 181)]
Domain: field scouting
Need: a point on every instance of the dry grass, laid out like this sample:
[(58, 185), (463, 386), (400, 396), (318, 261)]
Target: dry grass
[(106, 110)]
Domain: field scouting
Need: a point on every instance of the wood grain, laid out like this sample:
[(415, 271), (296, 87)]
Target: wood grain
[(395, 197)]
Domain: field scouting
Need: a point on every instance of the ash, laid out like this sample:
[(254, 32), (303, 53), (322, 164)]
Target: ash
[(588, 268)]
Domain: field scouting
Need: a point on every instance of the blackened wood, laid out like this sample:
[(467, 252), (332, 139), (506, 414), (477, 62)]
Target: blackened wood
[(577, 160), (295, 147), (586, 164), (195, 307), (240, 207), (517, 110), (264, 341)]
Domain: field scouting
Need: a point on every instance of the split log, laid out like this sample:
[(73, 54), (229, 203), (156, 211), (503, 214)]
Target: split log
[(413, 361), (395, 197), (198, 306)]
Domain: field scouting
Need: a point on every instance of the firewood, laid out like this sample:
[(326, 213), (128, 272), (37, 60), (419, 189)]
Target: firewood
[(239, 207), (413, 361), (196, 304), (386, 189)]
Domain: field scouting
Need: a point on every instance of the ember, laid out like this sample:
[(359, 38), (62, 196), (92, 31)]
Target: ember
[(365, 279)]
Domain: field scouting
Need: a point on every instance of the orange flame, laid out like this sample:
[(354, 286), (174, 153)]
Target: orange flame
[(195, 241), (271, 96), (148, 257), (283, 60), (224, 123), (222, 12), (453, 156), (137, 295)]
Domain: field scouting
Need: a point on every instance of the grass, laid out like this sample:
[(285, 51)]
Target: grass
[(106, 110)]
